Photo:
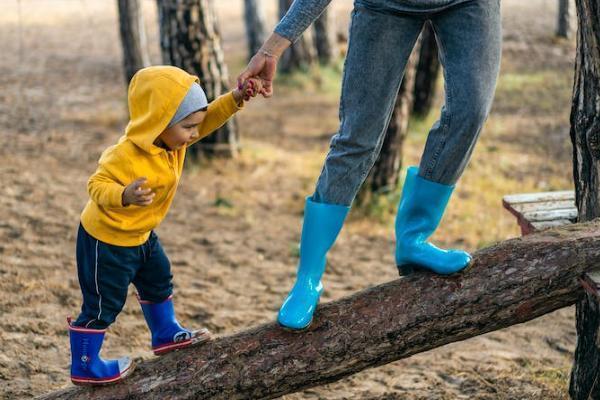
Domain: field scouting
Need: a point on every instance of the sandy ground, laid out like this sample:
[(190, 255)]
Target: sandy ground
[(234, 226)]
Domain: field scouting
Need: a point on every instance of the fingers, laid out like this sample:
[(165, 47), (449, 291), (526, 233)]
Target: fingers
[(242, 78), (138, 182), (141, 196), (255, 67), (252, 87), (143, 199), (267, 89)]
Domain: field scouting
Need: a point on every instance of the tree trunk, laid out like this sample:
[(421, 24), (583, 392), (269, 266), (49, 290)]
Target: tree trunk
[(190, 40), (563, 25), (585, 137), (384, 174), (427, 72), (133, 37), (299, 55), (255, 25), (324, 40), (509, 283)]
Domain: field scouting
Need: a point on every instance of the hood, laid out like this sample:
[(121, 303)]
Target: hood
[(153, 97)]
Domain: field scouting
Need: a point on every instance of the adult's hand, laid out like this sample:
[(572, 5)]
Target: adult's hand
[(263, 65)]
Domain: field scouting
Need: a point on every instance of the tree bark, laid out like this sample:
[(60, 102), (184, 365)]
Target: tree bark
[(190, 40), (563, 24), (133, 37), (509, 283), (585, 137), (299, 55), (428, 69), (255, 25), (384, 174), (324, 40)]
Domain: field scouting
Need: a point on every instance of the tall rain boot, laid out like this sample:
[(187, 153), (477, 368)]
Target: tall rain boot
[(167, 334), (87, 367), (421, 208), (322, 223)]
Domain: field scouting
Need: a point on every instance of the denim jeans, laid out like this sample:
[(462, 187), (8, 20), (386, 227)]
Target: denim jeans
[(382, 35), (105, 272)]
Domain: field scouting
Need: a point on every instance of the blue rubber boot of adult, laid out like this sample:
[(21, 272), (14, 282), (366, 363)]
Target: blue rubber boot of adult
[(322, 223), (167, 333), (87, 367), (420, 211)]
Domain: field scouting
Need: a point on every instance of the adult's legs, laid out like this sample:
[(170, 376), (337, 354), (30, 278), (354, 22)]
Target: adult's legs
[(378, 51), (469, 39)]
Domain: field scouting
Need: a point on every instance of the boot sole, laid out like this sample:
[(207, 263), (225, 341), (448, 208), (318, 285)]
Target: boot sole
[(89, 382), (409, 269), (294, 330), (202, 336)]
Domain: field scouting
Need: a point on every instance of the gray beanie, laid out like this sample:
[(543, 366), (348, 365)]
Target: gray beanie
[(194, 100)]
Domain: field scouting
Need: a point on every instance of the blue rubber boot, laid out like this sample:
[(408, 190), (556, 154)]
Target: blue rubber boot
[(322, 223), (420, 211), (167, 334), (87, 367)]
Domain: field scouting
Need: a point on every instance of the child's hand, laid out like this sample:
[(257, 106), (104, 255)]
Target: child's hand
[(135, 194), (250, 88)]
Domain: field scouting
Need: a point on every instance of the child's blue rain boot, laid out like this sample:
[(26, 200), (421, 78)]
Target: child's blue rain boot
[(87, 367), (322, 223), (421, 208), (167, 334)]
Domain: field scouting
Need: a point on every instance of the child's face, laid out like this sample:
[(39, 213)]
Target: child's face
[(183, 132)]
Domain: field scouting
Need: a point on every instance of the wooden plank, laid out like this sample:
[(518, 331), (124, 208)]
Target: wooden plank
[(542, 206), (536, 211), (538, 226), (551, 215), (539, 197)]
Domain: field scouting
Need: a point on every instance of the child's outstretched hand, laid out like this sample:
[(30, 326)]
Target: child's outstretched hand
[(135, 194), (250, 88)]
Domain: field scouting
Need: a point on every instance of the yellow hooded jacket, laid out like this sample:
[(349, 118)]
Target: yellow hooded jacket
[(154, 96)]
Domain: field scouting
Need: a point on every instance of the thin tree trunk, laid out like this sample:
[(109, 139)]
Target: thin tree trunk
[(299, 55), (427, 72), (324, 40), (255, 25), (585, 137), (190, 39), (563, 25), (384, 174), (133, 37), (509, 283)]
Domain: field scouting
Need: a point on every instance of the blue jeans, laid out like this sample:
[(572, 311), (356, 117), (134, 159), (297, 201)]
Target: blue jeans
[(105, 272), (382, 35)]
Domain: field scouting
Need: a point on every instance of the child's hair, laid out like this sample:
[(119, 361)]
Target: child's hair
[(204, 108)]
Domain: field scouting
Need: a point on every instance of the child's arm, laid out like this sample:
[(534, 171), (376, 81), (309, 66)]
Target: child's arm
[(107, 184), (225, 106)]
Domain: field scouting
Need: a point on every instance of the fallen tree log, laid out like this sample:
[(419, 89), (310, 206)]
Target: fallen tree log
[(509, 283)]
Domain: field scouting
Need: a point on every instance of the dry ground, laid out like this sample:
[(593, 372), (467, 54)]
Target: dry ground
[(234, 226)]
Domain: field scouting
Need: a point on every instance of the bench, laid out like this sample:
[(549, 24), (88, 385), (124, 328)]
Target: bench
[(539, 211)]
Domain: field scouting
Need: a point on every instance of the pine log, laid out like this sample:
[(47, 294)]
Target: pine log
[(509, 283)]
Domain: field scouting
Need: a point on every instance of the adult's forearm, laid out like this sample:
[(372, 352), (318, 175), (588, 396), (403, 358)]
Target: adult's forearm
[(301, 14), (275, 45)]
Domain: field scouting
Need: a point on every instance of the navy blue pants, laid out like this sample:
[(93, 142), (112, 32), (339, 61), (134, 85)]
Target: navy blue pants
[(105, 272)]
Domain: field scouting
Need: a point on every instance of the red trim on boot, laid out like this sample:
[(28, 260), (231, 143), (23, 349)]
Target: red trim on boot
[(81, 329), (78, 380)]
